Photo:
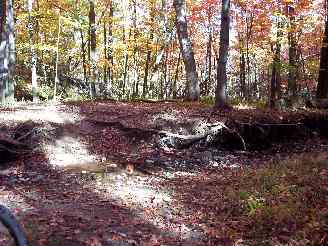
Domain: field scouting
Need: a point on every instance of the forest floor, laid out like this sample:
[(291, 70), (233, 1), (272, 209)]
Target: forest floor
[(103, 174)]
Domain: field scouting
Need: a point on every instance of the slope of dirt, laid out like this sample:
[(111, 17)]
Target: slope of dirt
[(104, 177)]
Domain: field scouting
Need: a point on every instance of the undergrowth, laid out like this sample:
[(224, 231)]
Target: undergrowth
[(282, 203), (287, 201)]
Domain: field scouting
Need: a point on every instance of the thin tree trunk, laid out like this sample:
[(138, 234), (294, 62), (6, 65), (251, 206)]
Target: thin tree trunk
[(33, 52), (109, 50), (292, 54), (10, 90), (149, 49), (106, 70), (209, 52), (249, 27), (193, 90), (93, 46), (275, 90), (83, 55), (145, 82), (322, 88), (176, 77), (57, 58), (3, 51), (126, 63), (221, 94), (242, 75), (7, 51), (135, 92)]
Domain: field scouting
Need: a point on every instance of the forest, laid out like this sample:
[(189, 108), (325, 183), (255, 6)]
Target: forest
[(163, 122)]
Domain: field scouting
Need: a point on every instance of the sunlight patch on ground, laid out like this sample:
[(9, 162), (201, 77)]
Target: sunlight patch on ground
[(154, 205), (40, 113), (68, 151), (244, 106)]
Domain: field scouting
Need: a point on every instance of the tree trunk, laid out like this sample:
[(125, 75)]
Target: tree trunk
[(126, 64), (83, 56), (249, 28), (33, 52), (176, 78), (220, 94), (275, 89), (242, 75), (7, 51), (93, 46), (57, 57), (193, 90), (148, 58), (109, 50), (292, 54), (322, 88), (3, 51)]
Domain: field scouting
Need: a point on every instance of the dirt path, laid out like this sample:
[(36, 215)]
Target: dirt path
[(97, 185)]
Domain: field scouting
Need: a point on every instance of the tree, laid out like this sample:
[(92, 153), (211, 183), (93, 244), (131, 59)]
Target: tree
[(292, 53), (322, 88), (7, 50), (92, 48), (275, 88), (220, 94), (193, 90), (33, 53)]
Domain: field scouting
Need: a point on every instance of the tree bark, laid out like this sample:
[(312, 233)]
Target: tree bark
[(33, 52), (7, 51), (83, 56), (193, 90), (148, 58), (3, 51), (242, 75), (220, 94), (275, 88), (57, 57), (322, 88), (174, 89), (292, 54), (93, 46)]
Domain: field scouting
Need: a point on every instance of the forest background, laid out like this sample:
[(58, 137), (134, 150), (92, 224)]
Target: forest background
[(130, 49)]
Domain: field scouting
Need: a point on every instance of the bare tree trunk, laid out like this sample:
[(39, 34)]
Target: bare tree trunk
[(148, 59), (242, 75), (209, 81), (7, 51), (220, 94), (126, 64), (275, 89), (292, 54), (57, 57), (193, 90), (83, 55), (249, 28), (93, 46), (108, 51), (176, 77), (322, 88), (3, 51), (33, 52), (135, 92)]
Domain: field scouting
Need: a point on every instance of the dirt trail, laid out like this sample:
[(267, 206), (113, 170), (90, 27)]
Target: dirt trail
[(95, 184)]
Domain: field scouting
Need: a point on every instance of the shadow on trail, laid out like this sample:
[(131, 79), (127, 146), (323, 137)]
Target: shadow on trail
[(58, 207)]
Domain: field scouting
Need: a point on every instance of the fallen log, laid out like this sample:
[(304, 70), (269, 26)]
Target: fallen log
[(210, 134)]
